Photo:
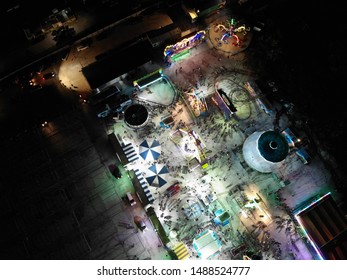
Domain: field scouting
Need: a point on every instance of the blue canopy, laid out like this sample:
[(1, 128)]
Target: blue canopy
[(156, 174), (150, 151)]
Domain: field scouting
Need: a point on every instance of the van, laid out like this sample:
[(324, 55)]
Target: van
[(85, 44), (65, 54), (304, 155), (82, 47), (35, 88), (131, 199), (291, 136), (140, 223)]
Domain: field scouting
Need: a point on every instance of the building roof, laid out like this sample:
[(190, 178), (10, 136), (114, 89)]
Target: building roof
[(117, 63), (202, 4), (207, 244), (326, 227), (149, 79)]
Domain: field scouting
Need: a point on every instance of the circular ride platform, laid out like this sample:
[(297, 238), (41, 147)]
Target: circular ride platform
[(136, 116), (228, 42)]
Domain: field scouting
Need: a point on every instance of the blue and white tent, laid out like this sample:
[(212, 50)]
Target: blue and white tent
[(156, 175), (150, 151)]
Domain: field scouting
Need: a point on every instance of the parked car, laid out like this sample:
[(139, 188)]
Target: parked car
[(49, 75), (115, 171), (172, 190), (130, 199), (139, 222), (64, 55), (82, 47), (35, 88), (85, 44)]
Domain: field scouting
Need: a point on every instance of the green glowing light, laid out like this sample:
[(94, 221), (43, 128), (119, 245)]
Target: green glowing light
[(180, 55)]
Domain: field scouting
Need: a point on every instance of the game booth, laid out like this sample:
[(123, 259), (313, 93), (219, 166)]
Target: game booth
[(196, 102), (260, 99), (191, 147), (166, 121), (181, 49), (224, 104), (207, 245)]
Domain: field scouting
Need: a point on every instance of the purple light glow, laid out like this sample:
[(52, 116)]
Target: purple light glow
[(303, 228)]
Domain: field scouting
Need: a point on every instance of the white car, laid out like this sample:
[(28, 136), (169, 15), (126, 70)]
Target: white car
[(82, 47)]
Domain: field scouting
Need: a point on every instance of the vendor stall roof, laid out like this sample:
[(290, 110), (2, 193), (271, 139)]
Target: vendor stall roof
[(207, 244), (117, 63), (326, 228)]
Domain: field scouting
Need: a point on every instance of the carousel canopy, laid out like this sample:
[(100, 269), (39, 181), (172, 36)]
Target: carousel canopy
[(150, 151), (156, 175)]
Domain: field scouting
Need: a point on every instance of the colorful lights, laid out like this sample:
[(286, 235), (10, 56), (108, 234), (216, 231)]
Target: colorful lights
[(172, 52), (149, 79), (196, 102), (180, 55), (298, 218), (221, 104), (191, 146), (262, 101), (309, 238), (230, 32), (242, 29), (312, 203), (252, 88)]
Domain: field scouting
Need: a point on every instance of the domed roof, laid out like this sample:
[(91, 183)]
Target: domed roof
[(273, 146), (136, 115)]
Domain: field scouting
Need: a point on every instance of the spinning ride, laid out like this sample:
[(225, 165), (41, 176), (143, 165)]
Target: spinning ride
[(229, 30)]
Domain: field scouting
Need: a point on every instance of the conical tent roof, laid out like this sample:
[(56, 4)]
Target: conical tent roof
[(150, 151), (156, 175)]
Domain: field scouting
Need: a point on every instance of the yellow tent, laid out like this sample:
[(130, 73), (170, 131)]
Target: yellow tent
[(181, 251)]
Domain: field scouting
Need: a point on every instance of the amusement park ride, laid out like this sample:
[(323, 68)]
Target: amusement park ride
[(230, 31), (181, 48)]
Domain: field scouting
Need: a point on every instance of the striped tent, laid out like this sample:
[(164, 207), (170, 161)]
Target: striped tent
[(181, 251), (130, 152), (144, 185), (156, 175)]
